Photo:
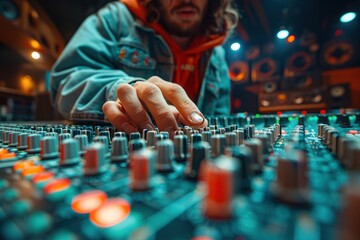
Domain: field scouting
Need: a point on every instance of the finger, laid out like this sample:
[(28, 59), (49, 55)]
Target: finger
[(117, 118), (179, 118), (152, 97), (134, 108), (175, 94)]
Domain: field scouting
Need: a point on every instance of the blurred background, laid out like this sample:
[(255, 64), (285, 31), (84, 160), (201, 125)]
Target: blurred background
[(285, 55)]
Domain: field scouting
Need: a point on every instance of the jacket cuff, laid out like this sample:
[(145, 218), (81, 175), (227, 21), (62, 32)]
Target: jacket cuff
[(112, 93)]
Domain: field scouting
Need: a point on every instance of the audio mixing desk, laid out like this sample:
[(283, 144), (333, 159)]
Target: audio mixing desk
[(243, 177)]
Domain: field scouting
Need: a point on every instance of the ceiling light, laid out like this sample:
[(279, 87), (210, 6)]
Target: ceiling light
[(35, 55), (235, 46), (282, 34), (348, 17)]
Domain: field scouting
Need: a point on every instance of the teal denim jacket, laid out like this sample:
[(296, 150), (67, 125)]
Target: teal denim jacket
[(111, 47)]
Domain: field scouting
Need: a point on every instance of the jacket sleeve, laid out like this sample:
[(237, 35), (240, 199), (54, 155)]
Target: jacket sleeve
[(223, 103), (85, 75)]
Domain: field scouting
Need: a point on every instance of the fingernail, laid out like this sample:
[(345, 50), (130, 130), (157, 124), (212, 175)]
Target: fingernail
[(128, 127), (196, 118)]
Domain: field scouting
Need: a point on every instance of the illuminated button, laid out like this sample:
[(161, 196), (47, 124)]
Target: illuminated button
[(62, 234), (88, 201), (32, 170), (113, 212), (9, 230), (58, 185), (7, 156), (10, 194), (20, 207), (20, 166), (38, 223), (3, 184), (353, 132), (43, 177), (3, 150)]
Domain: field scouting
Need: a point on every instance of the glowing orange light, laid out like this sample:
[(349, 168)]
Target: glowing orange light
[(113, 212), (88, 201), (7, 155), (322, 111), (291, 39), (22, 165), (304, 112), (3, 150), (32, 170), (42, 177), (57, 185), (27, 83), (35, 44), (281, 97)]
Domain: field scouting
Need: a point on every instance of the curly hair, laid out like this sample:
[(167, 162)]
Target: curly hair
[(220, 18)]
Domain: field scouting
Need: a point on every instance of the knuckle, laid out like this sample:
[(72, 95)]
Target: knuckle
[(154, 79), (148, 90), (106, 106), (175, 89), (124, 89)]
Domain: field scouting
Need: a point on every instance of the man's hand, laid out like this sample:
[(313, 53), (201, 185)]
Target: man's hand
[(130, 113)]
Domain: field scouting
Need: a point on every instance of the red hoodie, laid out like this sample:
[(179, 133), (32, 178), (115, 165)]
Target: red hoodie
[(186, 71)]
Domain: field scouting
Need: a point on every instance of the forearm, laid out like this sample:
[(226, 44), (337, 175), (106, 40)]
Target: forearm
[(82, 92)]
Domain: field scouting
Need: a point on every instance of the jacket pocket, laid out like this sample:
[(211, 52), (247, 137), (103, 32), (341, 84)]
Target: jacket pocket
[(136, 62)]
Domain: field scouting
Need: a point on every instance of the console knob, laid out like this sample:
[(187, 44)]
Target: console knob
[(69, 152), (33, 142), (181, 148), (220, 175), (142, 169), (49, 148), (165, 156), (291, 182), (94, 159), (119, 149), (198, 153)]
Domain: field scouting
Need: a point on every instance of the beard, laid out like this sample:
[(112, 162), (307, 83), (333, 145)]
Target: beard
[(183, 29), (174, 28)]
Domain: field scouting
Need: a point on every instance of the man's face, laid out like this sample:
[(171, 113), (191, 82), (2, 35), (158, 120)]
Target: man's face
[(182, 18)]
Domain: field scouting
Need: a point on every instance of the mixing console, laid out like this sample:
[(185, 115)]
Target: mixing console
[(242, 177)]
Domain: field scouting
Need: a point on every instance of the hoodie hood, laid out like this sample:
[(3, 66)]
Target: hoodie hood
[(186, 71)]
